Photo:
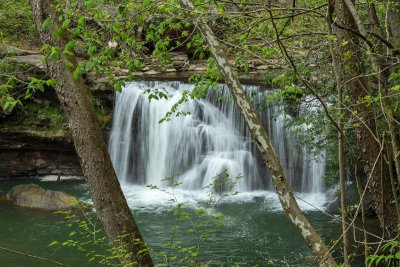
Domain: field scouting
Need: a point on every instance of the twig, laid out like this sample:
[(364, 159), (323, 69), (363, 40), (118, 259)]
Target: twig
[(32, 256)]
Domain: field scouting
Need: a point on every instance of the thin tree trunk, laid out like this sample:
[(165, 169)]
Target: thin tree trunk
[(342, 184), (279, 179), (109, 201)]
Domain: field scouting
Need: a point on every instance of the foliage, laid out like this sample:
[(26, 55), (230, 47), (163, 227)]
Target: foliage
[(51, 112), (16, 20), (394, 91), (391, 256), (44, 119), (88, 237), (202, 84)]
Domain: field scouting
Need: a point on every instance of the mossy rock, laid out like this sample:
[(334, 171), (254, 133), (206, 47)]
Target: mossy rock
[(34, 196)]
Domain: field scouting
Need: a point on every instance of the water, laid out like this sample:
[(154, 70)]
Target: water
[(196, 147), (255, 230)]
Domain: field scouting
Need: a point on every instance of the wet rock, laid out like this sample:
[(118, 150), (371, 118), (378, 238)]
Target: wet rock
[(222, 183), (180, 61), (34, 196), (40, 163), (352, 199)]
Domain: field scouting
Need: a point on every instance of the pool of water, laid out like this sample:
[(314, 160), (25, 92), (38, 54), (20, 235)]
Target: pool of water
[(254, 229)]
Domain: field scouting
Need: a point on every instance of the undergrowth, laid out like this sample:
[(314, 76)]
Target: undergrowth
[(16, 22)]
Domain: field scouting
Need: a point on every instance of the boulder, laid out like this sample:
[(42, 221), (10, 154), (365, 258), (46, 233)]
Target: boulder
[(34, 196), (33, 62), (180, 61)]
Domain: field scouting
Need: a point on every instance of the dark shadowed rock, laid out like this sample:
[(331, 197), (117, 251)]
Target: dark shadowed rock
[(34, 196), (180, 61), (28, 155), (5, 113), (352, 199)]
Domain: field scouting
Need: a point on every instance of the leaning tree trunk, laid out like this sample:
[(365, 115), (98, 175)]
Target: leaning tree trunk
[(109, 201), (358, 89), (279, 179)]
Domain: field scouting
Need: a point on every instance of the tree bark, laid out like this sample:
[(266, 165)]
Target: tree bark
[(109, 201), (358, 89), (279, 179)]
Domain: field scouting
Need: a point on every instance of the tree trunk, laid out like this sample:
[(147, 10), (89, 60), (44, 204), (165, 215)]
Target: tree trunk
[(279, 179), (358, 89), (109, 201)]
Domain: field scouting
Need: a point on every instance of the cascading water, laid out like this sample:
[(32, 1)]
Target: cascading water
[(194, 148)]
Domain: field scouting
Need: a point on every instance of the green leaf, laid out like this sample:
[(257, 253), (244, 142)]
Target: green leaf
[(91, 50), (46, 24), (121, 9), (54, 243)]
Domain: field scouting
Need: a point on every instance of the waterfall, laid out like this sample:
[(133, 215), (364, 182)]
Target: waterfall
[(211, 137)]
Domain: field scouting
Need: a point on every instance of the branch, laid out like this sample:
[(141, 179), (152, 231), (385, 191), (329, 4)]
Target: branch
[(33, 256)]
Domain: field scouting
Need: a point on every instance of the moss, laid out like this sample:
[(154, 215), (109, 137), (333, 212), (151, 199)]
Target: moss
[(41, 119), (16, 22), (51, 112), (104, 118), (46, 120)]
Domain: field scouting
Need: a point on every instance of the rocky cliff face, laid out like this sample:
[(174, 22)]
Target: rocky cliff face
[(28, 155)]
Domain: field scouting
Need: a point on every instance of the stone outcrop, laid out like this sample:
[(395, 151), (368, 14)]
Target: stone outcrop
[(181, 68), (34, 196), (352, 200), (9, 50), (27, 155)]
